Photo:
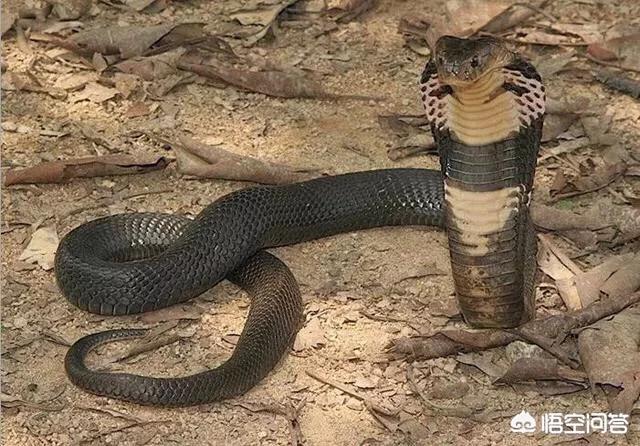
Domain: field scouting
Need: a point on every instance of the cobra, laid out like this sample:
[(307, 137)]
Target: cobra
[(485, 106)]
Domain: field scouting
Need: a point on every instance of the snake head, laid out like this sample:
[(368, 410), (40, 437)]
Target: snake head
[(462, 62)]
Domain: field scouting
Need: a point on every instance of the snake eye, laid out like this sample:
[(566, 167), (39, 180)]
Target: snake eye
[(441, 60), (475, 62)]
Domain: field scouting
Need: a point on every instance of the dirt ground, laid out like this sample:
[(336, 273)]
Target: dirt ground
[(361, 290)]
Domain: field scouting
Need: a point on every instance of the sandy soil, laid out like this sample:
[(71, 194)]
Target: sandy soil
[(361, 290)]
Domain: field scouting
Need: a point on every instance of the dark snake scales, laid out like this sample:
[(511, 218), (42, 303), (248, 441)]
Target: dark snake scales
[(131, 263)]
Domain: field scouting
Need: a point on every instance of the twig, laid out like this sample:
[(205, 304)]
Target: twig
[(457, 412), (143, 347), (373, 408), (451, 342), (612, 64), (535, 9), (558, 197), (291, 412), (380, 318)]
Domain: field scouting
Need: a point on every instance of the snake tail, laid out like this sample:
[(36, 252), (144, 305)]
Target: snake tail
[(488, 131), (273, 321)]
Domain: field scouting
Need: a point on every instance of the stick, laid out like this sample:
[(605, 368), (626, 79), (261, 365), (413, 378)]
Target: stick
[(451, 342)]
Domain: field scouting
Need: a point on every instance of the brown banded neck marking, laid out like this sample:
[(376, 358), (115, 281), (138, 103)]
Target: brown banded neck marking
[(477, 215), (484, 112)]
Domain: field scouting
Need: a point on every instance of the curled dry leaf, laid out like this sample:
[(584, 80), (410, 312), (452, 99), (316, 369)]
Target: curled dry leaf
[(59, 171), (23, 82), (625, 49), (557, 265), (265, 16), (205, 161), (557, 124), (42, 248), (554, 219), (610, 352), (539, 369), (131, 41), (70, 9), (617, 275), (271, 83)]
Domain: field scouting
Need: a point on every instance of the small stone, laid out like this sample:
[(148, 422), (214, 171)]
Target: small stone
[(19, 322)]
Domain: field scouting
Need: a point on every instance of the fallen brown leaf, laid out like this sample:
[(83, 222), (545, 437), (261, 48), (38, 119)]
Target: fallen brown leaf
[(557, 265), (625, 49), (310, 336), (467, 17), (554, 219), (137, 109), (597, 179), (42, 248), (70, 9), (610, 352), (94, 92), (266, 15), (131, 41), (539, 369), (205, 161), (272, 83), (59, 171)]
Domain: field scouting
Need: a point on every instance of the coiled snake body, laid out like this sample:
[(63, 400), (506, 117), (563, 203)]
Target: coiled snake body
[(485, 106)]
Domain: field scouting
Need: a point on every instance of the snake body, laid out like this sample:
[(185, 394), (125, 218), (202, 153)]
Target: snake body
[(481, 104)]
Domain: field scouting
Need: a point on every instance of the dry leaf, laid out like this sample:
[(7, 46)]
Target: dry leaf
[(535, 369), (42, 248), (466, 17), (625, 49), (59, 171), (590, 283), (600, 177), (137, 109), (610, 353), (94, 92), (557, 265), (271, 83), (75, 81), (70, 9), (364, 383), (310, 336), (206, 161), (554, 219), (265, 17), (131, 41)]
